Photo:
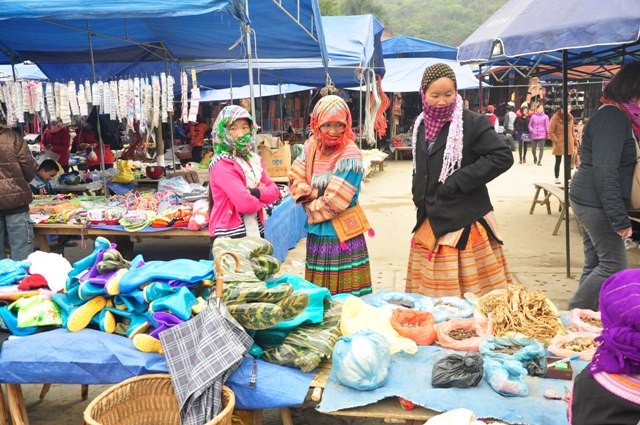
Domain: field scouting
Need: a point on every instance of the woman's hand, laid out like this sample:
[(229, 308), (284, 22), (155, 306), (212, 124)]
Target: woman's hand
[(624, 233)]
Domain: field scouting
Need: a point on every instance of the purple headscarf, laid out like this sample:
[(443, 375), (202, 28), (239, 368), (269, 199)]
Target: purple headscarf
[(619, 350)]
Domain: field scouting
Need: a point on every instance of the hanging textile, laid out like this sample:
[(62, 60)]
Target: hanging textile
[(184, 96), (82, 101)]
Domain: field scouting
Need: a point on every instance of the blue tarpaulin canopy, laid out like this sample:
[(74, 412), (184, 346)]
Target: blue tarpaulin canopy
[(531, 30), (567, 33), (352, 42), (135, 37), (23, 72), (405, 74), (402, 46)]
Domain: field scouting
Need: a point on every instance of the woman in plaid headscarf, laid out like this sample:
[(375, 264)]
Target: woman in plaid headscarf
[(239, 186), (456, 247), (326, 179)]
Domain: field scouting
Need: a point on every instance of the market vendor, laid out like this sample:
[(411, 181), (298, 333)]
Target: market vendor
[(608, 390), (87, 141), (197, 133), (56, 139), (456, 246)]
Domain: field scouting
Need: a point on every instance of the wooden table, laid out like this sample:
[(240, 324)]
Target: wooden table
[(40, 232), (550, 190), (388, 408), (399, 150)]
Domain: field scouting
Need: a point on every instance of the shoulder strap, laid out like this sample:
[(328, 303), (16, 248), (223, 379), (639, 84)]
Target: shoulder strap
[(309, 161)]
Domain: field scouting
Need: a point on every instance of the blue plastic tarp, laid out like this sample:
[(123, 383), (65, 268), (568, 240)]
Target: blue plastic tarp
[(23, 72), (94, 357), (243, 92), (148, 31), (404, 75), (531, 27), (402, 46), (351, 42)]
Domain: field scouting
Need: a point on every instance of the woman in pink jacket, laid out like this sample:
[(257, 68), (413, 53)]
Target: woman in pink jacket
[(539, 132), (239, 186)]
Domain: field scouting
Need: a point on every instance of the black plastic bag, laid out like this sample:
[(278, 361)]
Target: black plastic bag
[(457, 370)]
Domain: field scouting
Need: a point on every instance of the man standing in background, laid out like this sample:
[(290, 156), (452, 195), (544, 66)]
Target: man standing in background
[(17, 169)]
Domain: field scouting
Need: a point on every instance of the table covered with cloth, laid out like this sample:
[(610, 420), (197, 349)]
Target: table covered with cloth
[(94, 357)]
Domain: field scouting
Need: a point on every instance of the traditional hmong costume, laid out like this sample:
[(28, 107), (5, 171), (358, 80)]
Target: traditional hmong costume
[(326, 180), (456, 152)]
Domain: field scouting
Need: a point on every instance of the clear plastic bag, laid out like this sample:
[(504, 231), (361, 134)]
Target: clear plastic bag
[(578, 320), (578, 338), (457, 371), (357, 316), (362, 361), (415, 325), (528, 348), (505, 376)]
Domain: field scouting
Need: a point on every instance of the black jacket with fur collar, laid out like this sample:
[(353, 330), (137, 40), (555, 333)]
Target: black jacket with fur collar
[(463, 198)]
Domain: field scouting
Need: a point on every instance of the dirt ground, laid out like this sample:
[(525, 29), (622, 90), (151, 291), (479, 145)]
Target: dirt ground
[(536, 259)]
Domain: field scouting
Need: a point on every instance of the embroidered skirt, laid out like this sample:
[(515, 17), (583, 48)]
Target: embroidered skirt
[(338, 270), (479, 268)]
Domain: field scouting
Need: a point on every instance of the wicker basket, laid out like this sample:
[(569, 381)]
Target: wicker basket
[(146, 400)]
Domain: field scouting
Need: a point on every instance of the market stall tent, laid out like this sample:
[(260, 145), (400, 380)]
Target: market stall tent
[(575, 33), (402, 46), (405, 74), (23, 71), (139, 37), (353, 43)]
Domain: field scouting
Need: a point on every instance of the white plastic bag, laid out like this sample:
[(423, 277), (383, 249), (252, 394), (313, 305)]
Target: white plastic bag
[(362, 361)]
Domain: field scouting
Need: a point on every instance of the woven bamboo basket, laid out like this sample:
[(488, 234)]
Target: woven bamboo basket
[(146, 400)]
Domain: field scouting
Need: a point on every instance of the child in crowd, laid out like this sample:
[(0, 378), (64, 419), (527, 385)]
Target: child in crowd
[(46, 172), (239, 186)]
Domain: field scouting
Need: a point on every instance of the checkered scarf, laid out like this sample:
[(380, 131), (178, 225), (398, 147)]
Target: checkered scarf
[(436, 118), (223, 142)]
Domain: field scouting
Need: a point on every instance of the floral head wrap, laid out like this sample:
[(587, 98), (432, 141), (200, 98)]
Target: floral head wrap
[(619, 350), (224, 142), (331, 109)]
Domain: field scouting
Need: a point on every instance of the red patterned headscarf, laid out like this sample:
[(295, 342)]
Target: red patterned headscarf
[(331, 109)]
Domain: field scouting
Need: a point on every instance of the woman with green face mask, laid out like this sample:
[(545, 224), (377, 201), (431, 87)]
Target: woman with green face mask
[(238, 184)]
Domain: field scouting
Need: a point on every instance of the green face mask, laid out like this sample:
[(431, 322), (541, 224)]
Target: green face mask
[(243, 143)]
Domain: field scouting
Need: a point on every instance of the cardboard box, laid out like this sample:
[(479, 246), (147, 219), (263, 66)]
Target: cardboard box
[(268, 140), (277, 161)]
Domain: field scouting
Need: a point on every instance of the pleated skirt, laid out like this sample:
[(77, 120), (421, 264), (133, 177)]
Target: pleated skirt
[(447, 271), (338, 270)]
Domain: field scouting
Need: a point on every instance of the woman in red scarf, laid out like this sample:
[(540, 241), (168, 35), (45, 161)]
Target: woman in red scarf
[(326, 180)]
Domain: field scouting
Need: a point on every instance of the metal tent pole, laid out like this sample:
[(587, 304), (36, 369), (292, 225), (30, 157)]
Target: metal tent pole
[(247, 30), (93, 72), (360, 113), (567, 166)]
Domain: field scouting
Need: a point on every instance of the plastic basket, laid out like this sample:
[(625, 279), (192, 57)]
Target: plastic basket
[(147, 400)]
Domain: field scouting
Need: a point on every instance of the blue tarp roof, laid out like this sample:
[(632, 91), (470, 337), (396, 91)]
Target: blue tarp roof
[(351, 41), (402, 46), (531, 28), (405, 74), (23, 72), (134, 36)]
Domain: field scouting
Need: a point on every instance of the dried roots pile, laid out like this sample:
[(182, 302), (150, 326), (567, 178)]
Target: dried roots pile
[(516, 309)]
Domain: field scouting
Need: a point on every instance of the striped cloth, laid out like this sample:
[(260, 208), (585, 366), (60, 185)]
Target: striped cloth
[(447, 271), (624, 386), (338, 270)]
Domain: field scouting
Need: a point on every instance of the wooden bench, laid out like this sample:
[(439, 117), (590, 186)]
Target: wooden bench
[(399, 150), (549, 190)]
